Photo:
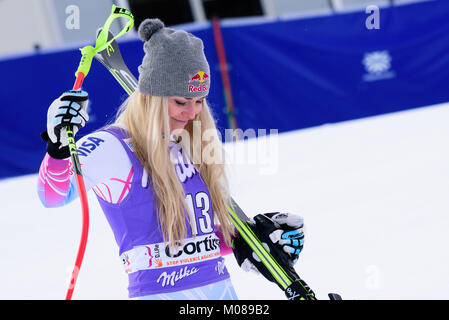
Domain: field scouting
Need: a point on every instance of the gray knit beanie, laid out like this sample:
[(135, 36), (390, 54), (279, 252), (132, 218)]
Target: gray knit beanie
[(174, 63)]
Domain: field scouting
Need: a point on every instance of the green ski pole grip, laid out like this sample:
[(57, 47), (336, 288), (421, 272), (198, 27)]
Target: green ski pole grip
[(87, 54)]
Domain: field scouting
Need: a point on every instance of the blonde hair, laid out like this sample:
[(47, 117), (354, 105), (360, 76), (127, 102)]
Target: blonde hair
[(146, 119)]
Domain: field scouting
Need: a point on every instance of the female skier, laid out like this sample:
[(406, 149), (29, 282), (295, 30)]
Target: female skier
[(165, 204)]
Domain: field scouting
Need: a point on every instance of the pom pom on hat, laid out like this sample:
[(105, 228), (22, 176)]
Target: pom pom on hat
[(148, 27)]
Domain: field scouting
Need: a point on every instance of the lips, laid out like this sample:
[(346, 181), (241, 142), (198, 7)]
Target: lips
[(181, 121)]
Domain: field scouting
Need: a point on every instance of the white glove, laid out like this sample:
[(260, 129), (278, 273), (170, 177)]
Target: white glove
[(69, 109), (289, 235)]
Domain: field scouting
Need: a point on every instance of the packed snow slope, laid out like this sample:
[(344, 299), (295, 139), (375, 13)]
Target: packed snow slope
[(373, 193)]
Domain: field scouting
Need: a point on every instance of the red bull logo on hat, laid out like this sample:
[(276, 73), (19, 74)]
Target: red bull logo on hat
[(199, 77)]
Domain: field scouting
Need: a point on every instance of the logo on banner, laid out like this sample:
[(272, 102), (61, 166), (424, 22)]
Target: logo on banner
[(378, 66)]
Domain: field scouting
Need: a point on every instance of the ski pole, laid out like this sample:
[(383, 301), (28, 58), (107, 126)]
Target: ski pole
[(88, 52)]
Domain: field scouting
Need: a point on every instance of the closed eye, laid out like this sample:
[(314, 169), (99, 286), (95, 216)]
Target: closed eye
[(180, 103)]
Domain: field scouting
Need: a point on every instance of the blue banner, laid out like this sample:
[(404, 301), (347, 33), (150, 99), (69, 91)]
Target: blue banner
[(285, 74), (295, 74)]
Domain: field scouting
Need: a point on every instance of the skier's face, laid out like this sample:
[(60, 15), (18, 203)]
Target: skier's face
[(181, 110)]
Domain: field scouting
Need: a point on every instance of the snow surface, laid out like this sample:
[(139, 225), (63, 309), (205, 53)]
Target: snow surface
[(373, 193)]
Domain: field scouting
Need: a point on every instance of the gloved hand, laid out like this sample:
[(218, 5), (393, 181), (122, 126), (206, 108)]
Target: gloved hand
[(283, 233), (289, 233), (69, 109)]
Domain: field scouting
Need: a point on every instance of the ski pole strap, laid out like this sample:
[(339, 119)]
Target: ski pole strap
[(88, 52), (116, 12)]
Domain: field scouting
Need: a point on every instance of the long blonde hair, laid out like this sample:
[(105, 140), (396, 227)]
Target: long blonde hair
[(146, 119)]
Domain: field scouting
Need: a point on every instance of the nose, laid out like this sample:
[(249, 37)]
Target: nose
[(190, 112)]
